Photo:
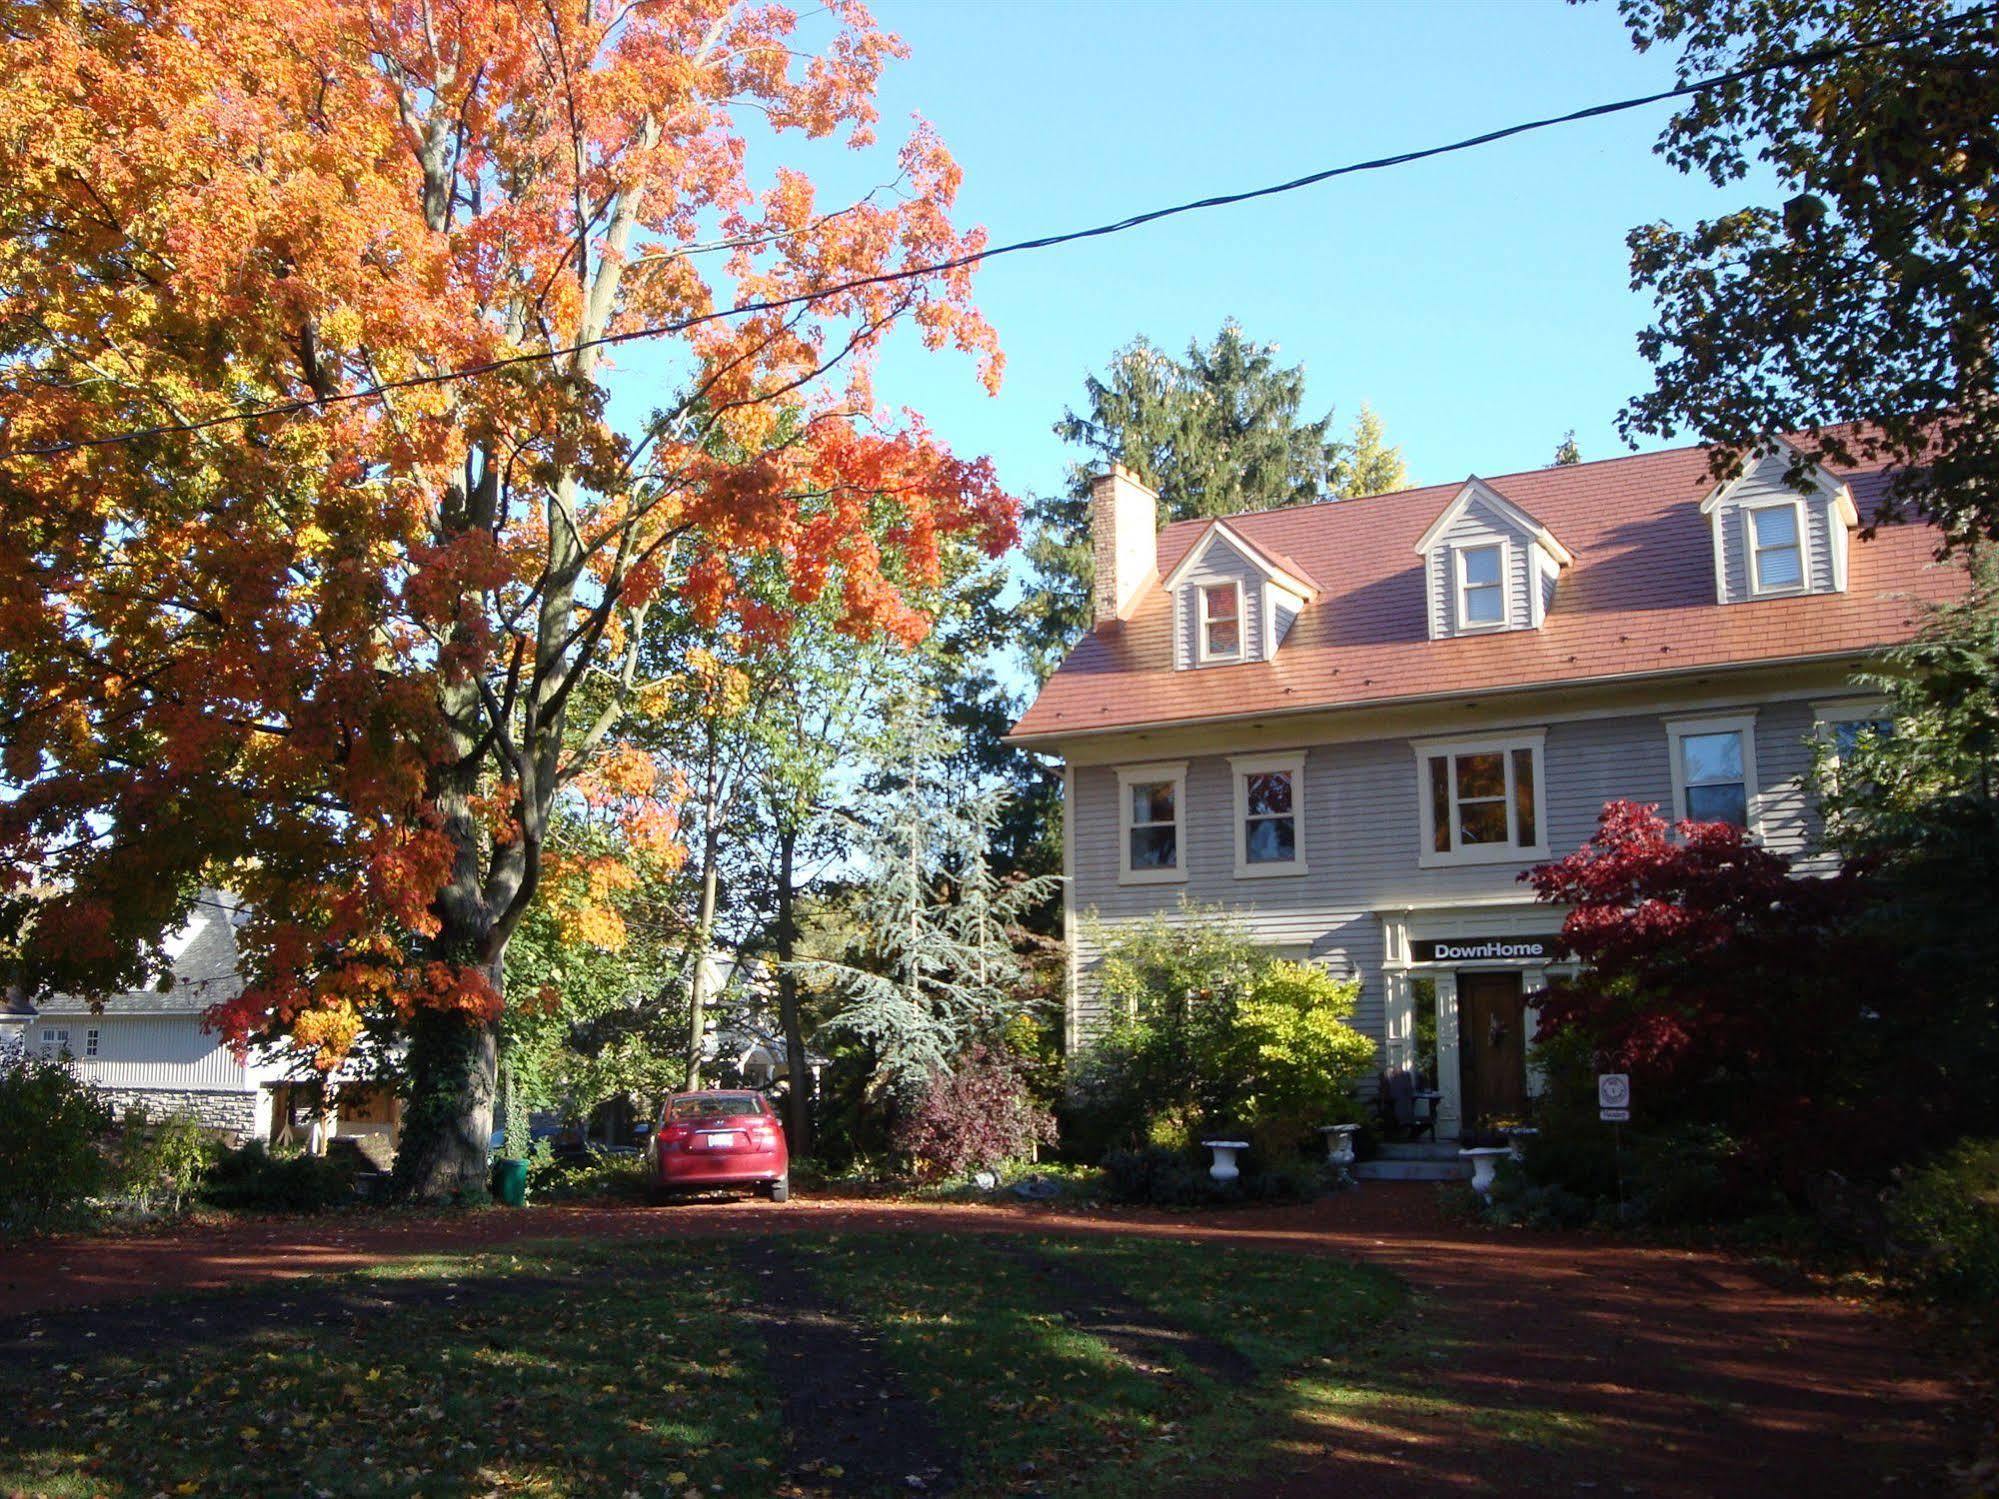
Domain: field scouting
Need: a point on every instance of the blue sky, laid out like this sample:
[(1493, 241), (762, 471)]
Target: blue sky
[(1480, 302)]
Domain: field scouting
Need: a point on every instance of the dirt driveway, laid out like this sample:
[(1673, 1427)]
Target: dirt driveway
[(1675, 1372)]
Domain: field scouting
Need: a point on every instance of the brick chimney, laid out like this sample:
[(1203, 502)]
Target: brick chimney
[(1124, 535)]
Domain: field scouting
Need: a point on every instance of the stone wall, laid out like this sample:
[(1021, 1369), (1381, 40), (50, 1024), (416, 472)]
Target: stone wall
[(232, 1112)]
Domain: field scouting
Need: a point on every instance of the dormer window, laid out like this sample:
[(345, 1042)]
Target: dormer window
[(1482, 585), (1221, 622), (1233, 601), (1776, 548), (1488, 566), (1775, 539)]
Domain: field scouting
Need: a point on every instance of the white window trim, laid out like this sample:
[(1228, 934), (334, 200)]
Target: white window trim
[(1849, 710), (1245, 766), (1536, 740), (1734, 723), (1165, 770), (1460, 615), (1778, 590), (1828, 716), (1202, 655), (90, 1039)]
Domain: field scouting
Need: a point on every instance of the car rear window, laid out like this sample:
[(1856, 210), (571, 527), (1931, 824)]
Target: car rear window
[(727, 1106)]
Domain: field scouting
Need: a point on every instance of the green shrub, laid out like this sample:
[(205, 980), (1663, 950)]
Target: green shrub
[(1945, 1220), (251, 1179), (593, 1178), (1160, 1176), (164, 1160), (1518, 1198), (51, 1160), (1218, 1035)]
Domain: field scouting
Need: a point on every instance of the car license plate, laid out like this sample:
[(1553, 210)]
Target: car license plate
[(722, 1140)]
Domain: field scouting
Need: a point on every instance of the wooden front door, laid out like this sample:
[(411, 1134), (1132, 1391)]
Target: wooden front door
[(1492, 1047)]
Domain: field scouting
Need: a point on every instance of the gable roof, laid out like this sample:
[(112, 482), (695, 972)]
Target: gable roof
[(1837, 491), (204, 967), (1638, 600), (1476, 489), (1278, 567)]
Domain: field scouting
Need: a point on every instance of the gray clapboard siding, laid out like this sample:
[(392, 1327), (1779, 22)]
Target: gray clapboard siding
[(1362, 830), (148, 1051)]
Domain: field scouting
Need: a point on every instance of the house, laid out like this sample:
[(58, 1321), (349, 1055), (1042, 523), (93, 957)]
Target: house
[(15, 1013), (152, 1048), (1359, 722)]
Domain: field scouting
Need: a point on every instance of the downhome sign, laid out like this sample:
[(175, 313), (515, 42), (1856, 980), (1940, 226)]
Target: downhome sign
[(1487, 950)]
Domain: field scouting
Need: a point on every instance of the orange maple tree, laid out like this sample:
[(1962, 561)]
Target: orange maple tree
[(352, 653)]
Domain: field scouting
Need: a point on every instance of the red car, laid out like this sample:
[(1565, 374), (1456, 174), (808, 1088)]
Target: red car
[(719, 1139)]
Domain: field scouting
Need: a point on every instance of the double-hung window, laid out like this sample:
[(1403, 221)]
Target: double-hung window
[(55, 1043), (1714, 769), (1845, 728), (1269, 814), (90, 1042), (1776, 548), (1483, 800), (1152, 823), (1220, 623), (1481, 585)]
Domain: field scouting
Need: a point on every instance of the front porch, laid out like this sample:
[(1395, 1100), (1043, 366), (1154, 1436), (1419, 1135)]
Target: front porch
[(1461, 981)]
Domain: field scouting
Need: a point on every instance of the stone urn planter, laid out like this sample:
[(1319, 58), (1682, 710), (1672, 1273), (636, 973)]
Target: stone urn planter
[(1225, 1169), (1483, 1158), (1339, 1150)]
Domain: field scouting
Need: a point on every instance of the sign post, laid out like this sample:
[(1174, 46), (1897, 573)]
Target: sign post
[(1613, 1096), (1613, 1106)]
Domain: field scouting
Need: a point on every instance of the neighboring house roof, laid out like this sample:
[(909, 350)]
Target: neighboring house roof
[(204, 960), (1639, 600)]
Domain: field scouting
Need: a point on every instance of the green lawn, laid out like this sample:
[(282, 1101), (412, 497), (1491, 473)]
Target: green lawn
[(636, 1368)]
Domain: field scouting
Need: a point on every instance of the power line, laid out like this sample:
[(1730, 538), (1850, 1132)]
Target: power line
[(1794, 60)]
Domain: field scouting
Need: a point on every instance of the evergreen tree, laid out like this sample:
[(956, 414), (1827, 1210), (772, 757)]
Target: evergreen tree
[(936, 966), (1368, 465), (1216, 434)]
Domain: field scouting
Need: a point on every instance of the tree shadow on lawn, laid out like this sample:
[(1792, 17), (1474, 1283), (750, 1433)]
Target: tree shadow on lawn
[(514, 1374), (972, 1364)]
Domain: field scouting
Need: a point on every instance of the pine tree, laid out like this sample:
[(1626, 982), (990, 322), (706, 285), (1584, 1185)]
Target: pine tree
[(1216, 434), (1369, 465), (937, 967)]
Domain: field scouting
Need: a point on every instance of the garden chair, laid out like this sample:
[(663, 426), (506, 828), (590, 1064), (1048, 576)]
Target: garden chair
[(1407, 1111)]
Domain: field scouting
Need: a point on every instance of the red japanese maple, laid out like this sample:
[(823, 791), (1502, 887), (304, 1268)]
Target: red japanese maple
[(1727, 980)]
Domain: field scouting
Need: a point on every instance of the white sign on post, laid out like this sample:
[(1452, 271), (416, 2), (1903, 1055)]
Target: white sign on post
[(1613, 1097)]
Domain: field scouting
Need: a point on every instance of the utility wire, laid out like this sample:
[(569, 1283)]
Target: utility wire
[(1794, 60)]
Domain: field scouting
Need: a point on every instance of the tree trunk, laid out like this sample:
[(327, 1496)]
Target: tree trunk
[(798, 1101), (448, 1125), (704, 932)]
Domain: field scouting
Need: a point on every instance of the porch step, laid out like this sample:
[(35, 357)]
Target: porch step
[(1390, 1170), (1416, 1150)]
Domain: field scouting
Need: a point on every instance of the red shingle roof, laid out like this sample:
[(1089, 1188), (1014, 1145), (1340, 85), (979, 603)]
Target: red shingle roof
[(1640, 598)]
